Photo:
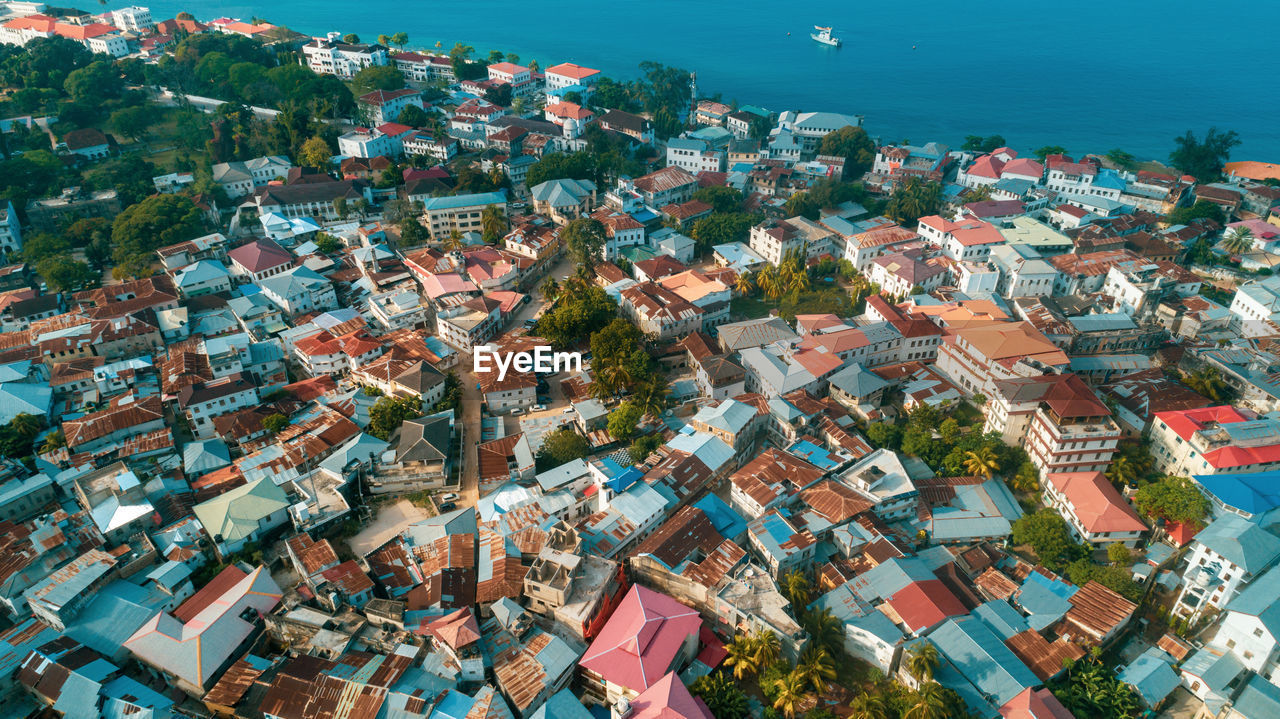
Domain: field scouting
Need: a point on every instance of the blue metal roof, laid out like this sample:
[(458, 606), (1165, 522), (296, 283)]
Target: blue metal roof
[(983, 659), (1255, 494), (1152, 675), (1003, 619)]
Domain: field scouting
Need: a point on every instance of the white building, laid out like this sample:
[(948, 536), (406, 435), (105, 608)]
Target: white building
[(299, 290), (241, 178), (202, 401), (331, 56), (382, 106), (385, 140), (1224, 557), (10, 229), (132, 19)]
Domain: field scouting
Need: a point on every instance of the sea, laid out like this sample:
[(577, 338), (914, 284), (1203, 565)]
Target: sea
[(1088, 75)]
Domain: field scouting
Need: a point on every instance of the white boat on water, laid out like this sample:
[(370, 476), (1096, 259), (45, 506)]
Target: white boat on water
[(824, 36)]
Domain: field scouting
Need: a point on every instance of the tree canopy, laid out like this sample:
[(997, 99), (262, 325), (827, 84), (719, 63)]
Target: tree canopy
[(1173, 499), (388, 413), (560, 446), (1203, 158), (1046, 532), (854, 145), (153, 223)]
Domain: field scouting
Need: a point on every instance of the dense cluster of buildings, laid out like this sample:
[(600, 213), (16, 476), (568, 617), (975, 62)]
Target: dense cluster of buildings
[(192, 529)]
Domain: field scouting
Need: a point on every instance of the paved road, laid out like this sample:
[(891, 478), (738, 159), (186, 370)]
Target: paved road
[(469, 493)]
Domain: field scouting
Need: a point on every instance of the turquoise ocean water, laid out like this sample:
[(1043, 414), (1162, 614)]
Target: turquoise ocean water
[(1089, 75)]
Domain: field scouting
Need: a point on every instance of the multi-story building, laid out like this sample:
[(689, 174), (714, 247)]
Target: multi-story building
[(965, 240), (775, 239), (10, 229), (1058, 419), (418, 67), (300, 290), (974, 358), (202, 401), (132, 19), (807, 129), (668, 186), (1224, 557), (240, 178), (462, 213), (568, 77), (310, 199), (385, 140), (331, 56), (383, 106), (1213, 440), (470, 323), (1093, 507), (659, 312), (50, 213)]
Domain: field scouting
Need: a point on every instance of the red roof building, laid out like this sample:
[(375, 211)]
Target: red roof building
[(923, 605), (648, 636), (669, 698), (1214, 440), (1094, 508)]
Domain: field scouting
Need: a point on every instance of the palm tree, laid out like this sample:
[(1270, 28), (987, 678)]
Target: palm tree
[(923, 661), (1027, 478), (453, 241), (493, 223), (1121, 472), (767, 647), (616, 374), (1238, 240), (982, 463), (927, 703), (799, 281), (791, 693), (550, 289), (770, 282), (384, 40), (1207, 382), (797, 588), (742, 656), (824, 629), (868, 706), (651, 396), (817, 667), (743, 284)]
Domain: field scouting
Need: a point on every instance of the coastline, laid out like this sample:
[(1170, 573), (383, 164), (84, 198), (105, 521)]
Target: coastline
[(919, 95)]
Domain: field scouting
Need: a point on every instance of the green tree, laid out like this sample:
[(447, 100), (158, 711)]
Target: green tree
[(644, 446), (1090, 689), (388, 413), (493, 224), (559, 165), (1203, 159), (1122, 159), (854, 145), (981, 462), (1046, 532), (922, 661), (95, 83), (585, 238), (1027, 479), (1201, 210), (155, 222), (741, 656), (796, 586), (132, 122), (1117, 553), (791, 693), (413, 116), (1047, 150), (722, 198), (978, 143), (18, 436), (928, 702), (316, 154), (1121, 472), (400, 39), (724, 698), (1238, 240), (351, 38), (584, 309), (912, 199), (824, 629), (817, 667), (275, 423), (1173, 499), (561, 446), (63, 273), (1208, 382), (721, 228), (623, 420), (327, 244)]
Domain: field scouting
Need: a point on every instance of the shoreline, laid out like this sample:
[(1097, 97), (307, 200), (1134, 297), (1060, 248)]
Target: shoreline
[(891, 120)]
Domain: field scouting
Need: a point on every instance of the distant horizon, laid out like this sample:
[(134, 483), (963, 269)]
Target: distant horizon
[(924, 90)]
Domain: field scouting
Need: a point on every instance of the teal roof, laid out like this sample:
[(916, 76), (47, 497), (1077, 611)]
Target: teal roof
[(234, 515), (1260, 699), (1152, 675), (1242, 542), (981, 656), (456, 201), (1261, 599)]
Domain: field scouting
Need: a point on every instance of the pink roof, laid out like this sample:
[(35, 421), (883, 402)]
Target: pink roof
[(394, 128), (508, 300), (508, 68), (640, 642), (668, 698), (260, 255), (1023, 166), (1097, 503), (439, 285), (568, 69), (1035, 704), (1260, 229), (986, 166), (925, 604), (976, 233)]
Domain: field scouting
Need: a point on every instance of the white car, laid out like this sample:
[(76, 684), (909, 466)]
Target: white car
[(567, 410), (539, 407), (517, 412), (450, 497)]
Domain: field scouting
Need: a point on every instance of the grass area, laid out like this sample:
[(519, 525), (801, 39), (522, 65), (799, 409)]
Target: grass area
[(422, 498), (966, 414), (749, 308)]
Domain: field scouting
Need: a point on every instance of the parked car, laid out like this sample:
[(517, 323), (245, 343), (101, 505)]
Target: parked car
[(449, 497), (567, 410), (448, 506), (517, 412), (539, 407)]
